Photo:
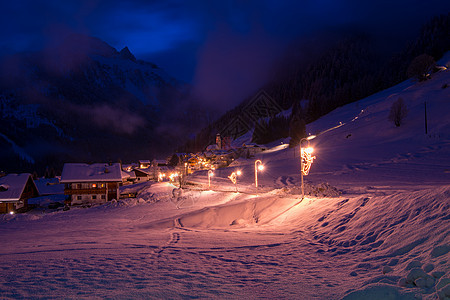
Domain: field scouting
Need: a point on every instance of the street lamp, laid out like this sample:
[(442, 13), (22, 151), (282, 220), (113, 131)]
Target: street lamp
[(233, 178), (258, 166), (305, 159), (161, 176), (210, 174)]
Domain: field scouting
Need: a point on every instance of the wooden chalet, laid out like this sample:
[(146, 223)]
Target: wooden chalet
[(142, 175), (89, 184), (128, 177), (159, 167), (144, 164), (15, 190)]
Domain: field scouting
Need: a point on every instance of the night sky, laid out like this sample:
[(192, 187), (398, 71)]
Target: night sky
[(211, 44)]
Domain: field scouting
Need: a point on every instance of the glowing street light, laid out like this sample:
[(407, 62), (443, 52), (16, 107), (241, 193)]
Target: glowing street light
[(173, 176), (258, 166), (161, 176), (233, 178), (306, 159), (210, 174)]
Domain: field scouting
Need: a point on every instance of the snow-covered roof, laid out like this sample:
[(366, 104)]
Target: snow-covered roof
[(127, 167), (141, 172), (125, 175), (212, 147), (79, 172), (49, 186), (159, 162), (144, 161), (12, 186), (249, 145)]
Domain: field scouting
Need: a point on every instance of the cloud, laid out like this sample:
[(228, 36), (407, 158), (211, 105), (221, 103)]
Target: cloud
[(231, 67), (108, 117)]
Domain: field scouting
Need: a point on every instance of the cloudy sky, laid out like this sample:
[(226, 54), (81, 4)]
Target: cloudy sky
[(220, 44)]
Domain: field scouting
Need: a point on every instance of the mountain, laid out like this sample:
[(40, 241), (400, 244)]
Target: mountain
[(80, 99)]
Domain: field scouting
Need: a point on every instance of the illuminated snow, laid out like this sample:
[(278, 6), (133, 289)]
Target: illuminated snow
[(374, 223)]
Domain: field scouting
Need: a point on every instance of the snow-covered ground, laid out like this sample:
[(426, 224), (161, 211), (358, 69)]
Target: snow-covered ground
[(374, 224)]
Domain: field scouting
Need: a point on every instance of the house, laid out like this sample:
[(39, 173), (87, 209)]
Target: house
[(49, 186), (129, 167), (144, 164), (128, 177), (159, 167), (142, 175), (88, 184), (15, 190), (252, 149)]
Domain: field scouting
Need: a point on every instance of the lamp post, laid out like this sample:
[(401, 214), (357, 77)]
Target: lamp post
[(210, 174), (305, 159), (233, 178), (258, 166)]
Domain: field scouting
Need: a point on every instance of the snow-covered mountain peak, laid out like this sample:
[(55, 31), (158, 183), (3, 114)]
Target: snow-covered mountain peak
[(125, 53)]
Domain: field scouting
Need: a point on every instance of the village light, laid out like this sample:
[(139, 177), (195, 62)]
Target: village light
[(305, 159), (258, 166), (210, 174), (233, 178), (11, 212), (173, 176)]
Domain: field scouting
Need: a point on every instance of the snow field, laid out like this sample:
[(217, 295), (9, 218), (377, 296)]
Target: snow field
[(232, 246)]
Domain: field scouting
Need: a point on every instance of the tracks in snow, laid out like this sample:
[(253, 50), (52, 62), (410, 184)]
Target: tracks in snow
[(173, 240)]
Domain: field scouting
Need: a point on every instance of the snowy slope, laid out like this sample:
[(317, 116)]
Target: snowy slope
[(374, 224)]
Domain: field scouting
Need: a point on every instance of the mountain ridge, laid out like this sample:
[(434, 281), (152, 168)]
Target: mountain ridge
[(75, 99)]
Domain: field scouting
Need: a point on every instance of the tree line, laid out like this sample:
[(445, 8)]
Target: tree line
[(350, 70)]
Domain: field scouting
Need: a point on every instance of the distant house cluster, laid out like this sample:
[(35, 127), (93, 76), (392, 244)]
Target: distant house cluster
[(82, 184), (220, 155)]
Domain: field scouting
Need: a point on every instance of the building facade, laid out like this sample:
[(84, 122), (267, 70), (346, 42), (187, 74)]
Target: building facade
[(91, 184), (15, 190)]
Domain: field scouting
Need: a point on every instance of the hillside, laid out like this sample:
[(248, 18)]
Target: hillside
[(374, 223), (315, 78)]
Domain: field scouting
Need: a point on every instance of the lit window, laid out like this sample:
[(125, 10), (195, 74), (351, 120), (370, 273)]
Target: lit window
[(94, 185)]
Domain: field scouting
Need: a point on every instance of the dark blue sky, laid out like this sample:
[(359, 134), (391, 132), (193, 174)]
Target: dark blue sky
[(210, 43)]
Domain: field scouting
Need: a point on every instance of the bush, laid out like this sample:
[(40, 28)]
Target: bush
[(420, 67), (398, 112)]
